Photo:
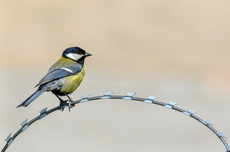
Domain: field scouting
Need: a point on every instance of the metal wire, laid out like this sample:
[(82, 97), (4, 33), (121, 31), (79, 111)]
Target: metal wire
[(108, 95)]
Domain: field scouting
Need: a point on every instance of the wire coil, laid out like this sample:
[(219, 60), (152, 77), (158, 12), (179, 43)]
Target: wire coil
[(108, 95)]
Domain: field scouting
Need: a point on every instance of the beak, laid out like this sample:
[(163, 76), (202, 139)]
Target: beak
[(87, 54)]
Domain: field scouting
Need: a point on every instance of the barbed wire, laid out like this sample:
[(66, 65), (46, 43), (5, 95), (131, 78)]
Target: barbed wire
[(108, 95)]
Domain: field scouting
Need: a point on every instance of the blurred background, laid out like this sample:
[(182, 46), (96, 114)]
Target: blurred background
[(175, 50)]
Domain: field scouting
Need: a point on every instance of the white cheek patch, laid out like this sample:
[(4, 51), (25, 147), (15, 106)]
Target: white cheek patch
[(67, 70), (74, 56)]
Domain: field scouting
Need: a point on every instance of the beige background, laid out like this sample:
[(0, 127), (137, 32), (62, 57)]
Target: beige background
[(175, 50)]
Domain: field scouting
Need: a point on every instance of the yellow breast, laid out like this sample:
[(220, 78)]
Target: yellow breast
[(72, 82)]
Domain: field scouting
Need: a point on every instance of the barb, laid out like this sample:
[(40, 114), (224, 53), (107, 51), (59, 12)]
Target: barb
[(128, 96)]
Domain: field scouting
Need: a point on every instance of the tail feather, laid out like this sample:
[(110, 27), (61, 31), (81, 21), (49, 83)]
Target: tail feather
[(32, 97)]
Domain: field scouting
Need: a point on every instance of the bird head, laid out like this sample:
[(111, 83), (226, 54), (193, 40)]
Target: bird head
[(75, 53)]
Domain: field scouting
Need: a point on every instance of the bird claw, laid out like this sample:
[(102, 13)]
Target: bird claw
[(70, 102), (63, 104), (70, 105)]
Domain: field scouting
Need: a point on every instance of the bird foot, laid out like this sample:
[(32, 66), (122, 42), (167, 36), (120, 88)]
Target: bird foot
[(63, 104), (70, 104)]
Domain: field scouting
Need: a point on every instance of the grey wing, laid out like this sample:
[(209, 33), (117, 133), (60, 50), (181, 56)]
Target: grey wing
[(60, 73)]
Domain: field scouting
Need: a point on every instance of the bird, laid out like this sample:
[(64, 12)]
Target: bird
[(63, 77)]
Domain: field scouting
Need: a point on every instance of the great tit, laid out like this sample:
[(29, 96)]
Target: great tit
[(63, 77)]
